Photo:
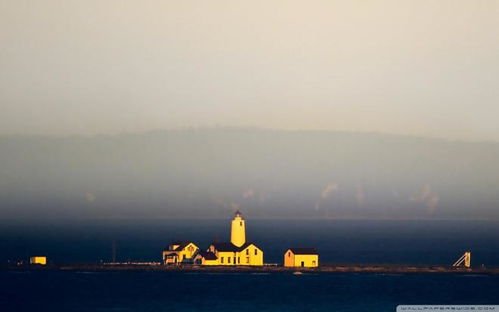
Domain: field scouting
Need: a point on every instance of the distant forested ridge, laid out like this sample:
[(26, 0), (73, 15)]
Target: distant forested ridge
[(265, 173)]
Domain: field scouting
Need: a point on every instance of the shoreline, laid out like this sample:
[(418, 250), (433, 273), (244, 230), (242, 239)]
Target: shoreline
[(386, 269)]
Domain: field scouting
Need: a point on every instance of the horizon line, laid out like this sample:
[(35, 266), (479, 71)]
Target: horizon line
[(245, 128)]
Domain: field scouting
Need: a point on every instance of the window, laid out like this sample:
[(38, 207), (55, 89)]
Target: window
[(247, 252), (289, 254), (256, 252), (241, 223), (228, 259), (247, 259), (238, 259), (222, 260)]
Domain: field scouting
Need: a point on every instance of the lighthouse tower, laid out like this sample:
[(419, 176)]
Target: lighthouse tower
[(238, 231)]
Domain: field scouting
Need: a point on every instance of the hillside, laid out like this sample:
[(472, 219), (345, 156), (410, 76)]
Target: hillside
[(266, 173)]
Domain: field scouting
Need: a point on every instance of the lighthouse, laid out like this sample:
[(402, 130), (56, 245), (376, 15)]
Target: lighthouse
[(236, 252), (238, 231)]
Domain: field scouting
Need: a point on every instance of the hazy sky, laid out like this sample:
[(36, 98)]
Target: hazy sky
[(410, 67)]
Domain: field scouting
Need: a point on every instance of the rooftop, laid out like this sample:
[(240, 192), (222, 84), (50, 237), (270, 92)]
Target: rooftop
[(181, 245), (304, 251), (208, 255), (228, 246)]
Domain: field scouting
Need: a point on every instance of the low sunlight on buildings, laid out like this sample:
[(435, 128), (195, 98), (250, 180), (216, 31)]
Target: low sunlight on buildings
[(301, 257), (236, 252), (180, 252), (40, 260)]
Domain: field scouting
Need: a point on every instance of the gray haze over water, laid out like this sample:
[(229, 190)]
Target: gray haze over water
[(209, 173), (98, 69)]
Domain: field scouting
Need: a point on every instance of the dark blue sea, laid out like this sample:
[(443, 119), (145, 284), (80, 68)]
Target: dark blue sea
[(170, 291), (338, 242)]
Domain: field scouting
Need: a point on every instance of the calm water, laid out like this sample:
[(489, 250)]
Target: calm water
[(340, 242), (170, 291), (362, 242)]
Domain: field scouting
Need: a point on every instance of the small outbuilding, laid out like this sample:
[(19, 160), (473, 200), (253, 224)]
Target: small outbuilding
[(39, 260), (301, 257)]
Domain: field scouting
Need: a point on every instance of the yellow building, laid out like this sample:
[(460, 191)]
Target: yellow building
[(235, 252), (206, 258), (301, 257), (40, 260), (180, 252), (230, 254)]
